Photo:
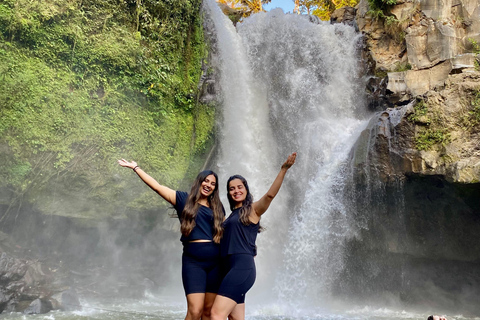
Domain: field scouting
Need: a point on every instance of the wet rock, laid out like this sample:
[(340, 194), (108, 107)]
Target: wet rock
[(67, 300), (38, 306), (24, 281), (376, 91)]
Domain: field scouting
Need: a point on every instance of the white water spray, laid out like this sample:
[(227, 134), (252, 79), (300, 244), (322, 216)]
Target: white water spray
[(290, 84)]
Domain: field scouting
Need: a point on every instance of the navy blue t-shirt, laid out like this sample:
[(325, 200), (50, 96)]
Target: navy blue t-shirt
[(203, 229), (237, 237)]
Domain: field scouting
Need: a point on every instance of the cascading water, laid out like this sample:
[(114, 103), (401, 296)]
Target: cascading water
[(290, 84)]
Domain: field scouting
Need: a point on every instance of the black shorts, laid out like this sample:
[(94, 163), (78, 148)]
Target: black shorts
[(240, 274), (201, 267)]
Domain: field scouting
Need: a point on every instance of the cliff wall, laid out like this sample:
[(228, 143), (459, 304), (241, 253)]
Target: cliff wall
[(415, 191)]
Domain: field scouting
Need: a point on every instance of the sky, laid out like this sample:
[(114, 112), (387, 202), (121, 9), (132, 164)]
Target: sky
[(286, 5)]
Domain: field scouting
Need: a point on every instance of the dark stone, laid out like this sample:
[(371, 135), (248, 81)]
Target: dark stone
[(38, 306), (67, 300)]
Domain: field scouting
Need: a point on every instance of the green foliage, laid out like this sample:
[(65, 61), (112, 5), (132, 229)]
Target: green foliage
[(380, 9), (426, 139), (324, 8), (476, 50), (475, 113), (475, 45), (85, 82), (402, 67), (430, 130), (420, 113), (472, 119)]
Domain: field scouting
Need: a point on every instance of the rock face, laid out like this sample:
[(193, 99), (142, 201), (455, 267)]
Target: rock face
[(442, 122), (414, 193), (436, 47), (28, 285), (22, 282)]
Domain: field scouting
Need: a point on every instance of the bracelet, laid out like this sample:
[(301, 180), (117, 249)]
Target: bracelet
[(135, 169)]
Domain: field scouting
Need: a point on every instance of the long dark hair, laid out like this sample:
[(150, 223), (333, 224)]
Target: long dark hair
[(191, 207), (246, 204)]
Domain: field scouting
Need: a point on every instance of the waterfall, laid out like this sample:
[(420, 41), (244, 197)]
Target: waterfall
[(290, 83)]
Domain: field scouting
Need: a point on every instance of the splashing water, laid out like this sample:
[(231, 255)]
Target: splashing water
[(290, 84)]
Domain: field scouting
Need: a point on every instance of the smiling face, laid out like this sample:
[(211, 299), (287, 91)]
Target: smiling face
[(237, 191), (208, 186)]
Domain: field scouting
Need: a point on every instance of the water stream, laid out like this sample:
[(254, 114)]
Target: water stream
[(291, 84)]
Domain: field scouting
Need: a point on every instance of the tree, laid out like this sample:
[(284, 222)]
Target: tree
[(322, 8), (246, 7), (234, 4), (306, 5), (254, 6)]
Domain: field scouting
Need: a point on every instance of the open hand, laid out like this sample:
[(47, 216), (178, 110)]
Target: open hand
[(290, 161), (125, 163)]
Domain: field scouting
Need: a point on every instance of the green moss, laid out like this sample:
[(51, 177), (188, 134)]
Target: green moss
[(472, 119), (426, 139), (400, 67), (380, 9), (420, 114), (475, 112), (431, 131), (84, 83)]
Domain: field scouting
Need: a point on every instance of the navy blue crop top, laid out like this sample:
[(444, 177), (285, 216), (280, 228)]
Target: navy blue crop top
[(237, 237), (203, 229)]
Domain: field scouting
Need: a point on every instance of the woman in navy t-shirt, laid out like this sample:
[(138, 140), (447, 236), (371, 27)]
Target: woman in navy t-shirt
[(201, 215), (238, 244)]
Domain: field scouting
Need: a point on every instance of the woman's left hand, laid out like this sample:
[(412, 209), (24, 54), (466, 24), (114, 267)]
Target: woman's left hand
[(127, 164), (290, 161)]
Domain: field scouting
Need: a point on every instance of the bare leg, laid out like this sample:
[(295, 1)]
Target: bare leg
[(238, 313), (207, 307), (195, 302), (222, 307)]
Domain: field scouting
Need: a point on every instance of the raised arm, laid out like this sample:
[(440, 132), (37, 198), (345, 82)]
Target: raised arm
[(165, 192), (263, 203)]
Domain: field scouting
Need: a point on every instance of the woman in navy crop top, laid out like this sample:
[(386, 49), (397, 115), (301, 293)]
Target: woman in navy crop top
[(237, 248), (201, 215)]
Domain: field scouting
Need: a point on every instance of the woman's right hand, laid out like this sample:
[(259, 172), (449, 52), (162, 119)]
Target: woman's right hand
[(290, 161), (125, 163)]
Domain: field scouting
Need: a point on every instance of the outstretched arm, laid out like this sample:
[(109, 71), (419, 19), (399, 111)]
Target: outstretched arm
[(262, 205), (165, 192)]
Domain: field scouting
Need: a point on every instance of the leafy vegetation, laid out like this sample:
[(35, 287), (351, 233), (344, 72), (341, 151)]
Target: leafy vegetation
[(476, 50), (239, 9), (381, 9), (426, 139), (475, 46), (85, 82), (420, 113), (402, 67), (472, 118), (324, 8), (430, 132)]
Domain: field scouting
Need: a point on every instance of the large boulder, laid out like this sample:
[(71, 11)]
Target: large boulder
[(38, 306), (66, 300)]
